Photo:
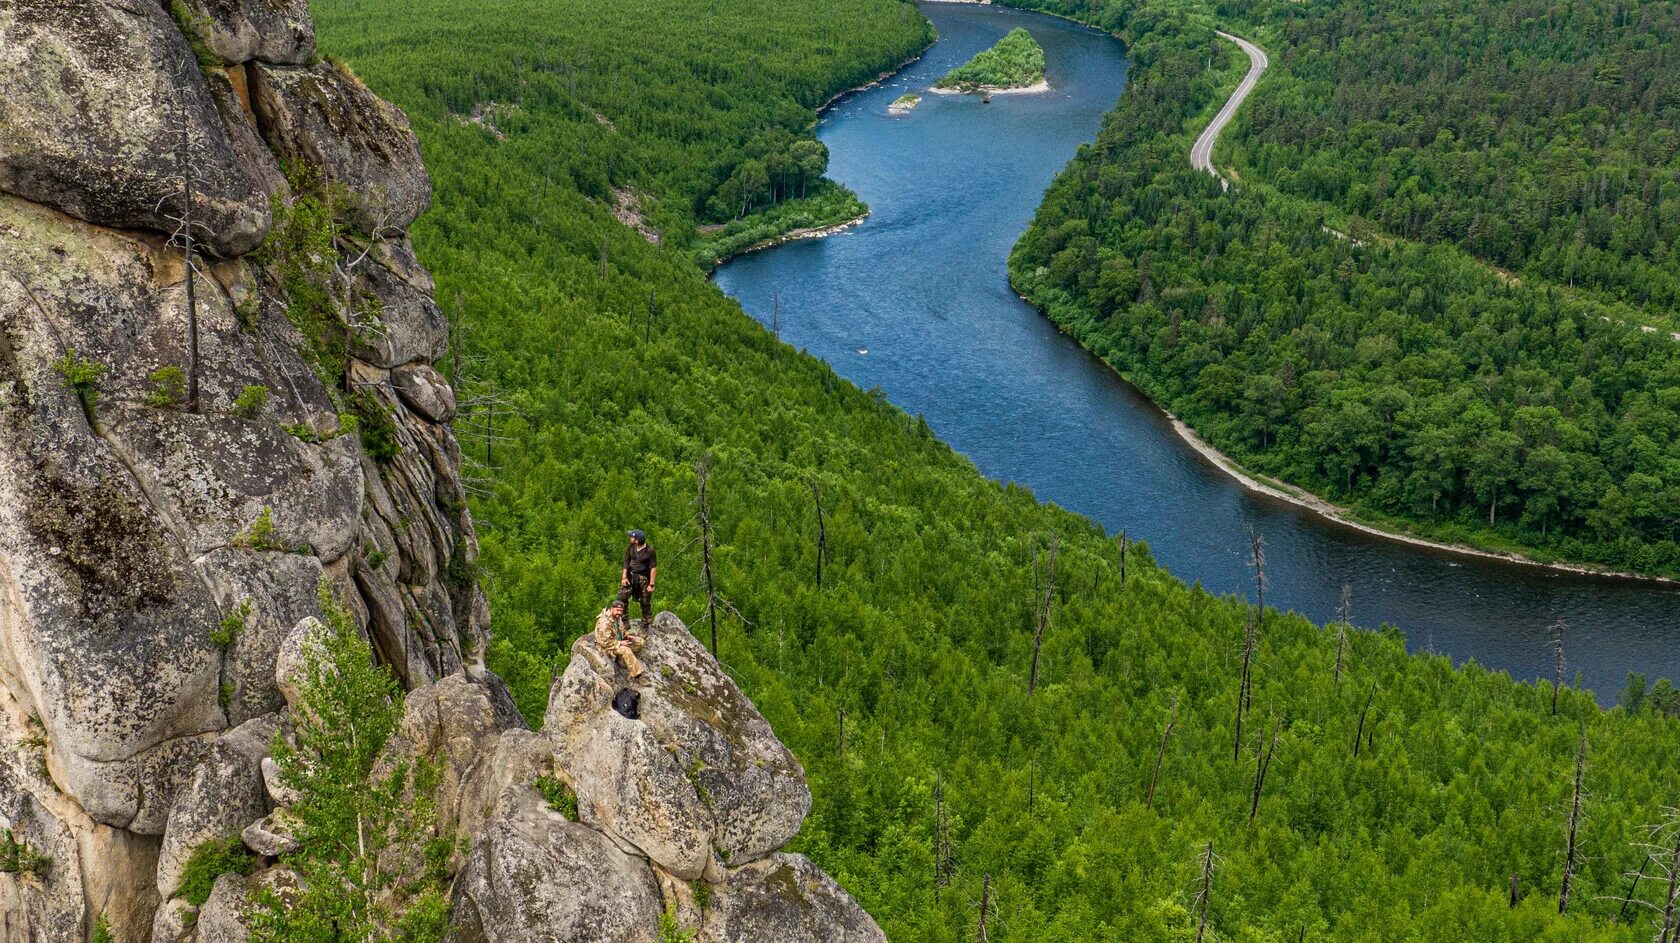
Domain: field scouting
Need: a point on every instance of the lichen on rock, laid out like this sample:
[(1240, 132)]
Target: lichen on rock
[(162, 557)]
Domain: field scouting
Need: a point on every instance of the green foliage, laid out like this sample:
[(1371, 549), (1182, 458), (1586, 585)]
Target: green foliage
[(231, 625), (194, 28), (300, 253), (1337, 320), (168, 388), (81, 377), (1015, 61), (102, 930), (209, 861), (670, 931), (17, 857), (593, 98), (260, 534), (922, 631), (697, 766), (828, 205), (559, 796), (362, 838), (702, 891), (250, 402), (375, 425)]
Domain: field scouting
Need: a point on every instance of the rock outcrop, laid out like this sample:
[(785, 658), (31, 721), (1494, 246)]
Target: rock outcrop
[(683, 809), (155, 553), (181, 480)]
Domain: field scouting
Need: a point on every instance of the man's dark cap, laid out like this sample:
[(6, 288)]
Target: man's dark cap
[(638, 535), (617, 604)]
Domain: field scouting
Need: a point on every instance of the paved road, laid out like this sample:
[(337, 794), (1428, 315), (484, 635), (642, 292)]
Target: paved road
[(1201, 156)]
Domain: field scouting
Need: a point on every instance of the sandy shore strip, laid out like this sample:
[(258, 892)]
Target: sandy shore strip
[(1042, 85), (794, 235), (1312, 502), (884, 75)]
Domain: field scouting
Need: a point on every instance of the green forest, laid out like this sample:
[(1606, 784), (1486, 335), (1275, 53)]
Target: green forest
[(1015, 61), (1439, 293), (984, 690)]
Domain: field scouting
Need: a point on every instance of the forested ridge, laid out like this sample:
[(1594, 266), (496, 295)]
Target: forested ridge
[(992, 698), (1429, 296)]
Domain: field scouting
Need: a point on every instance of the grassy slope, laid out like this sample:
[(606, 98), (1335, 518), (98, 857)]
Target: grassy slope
[(921, 633)]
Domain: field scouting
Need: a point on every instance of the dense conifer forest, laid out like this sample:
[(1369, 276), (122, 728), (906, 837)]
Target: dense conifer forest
[(1015, 61), (994, 700), (1442, 290)]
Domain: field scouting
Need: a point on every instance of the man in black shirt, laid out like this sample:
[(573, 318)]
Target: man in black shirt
[(641, 570)]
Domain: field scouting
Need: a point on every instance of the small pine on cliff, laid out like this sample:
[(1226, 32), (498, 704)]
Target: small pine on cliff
[(1016, 61)]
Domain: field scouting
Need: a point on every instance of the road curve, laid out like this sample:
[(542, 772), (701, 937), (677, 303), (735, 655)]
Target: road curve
[(1201, 156)]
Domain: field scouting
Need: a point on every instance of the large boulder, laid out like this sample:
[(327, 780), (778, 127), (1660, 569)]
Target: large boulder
[(786, 899), (701, 763), (458, 725), (321, 115), (534, 877), (222, 918), (239, 31), (400, 324), (224, 795), (95, 98)]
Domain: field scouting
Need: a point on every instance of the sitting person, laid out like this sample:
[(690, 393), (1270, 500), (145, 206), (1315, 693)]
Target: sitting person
[(612, 633)]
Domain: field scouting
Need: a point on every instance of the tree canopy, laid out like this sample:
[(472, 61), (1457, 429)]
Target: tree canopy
[(1015, 61), (1401, 793)]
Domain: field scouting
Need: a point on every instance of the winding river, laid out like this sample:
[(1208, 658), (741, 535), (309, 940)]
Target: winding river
[(915, 301)]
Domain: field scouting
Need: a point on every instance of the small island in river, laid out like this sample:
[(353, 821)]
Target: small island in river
[(903, 104), (1014, 64)]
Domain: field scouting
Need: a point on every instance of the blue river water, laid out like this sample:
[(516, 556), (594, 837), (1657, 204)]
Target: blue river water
[(916, 301)]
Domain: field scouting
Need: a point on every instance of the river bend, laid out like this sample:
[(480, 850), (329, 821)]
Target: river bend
[(916, 301)]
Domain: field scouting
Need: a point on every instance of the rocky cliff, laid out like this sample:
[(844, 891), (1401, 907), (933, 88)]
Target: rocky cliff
[(218, 393)]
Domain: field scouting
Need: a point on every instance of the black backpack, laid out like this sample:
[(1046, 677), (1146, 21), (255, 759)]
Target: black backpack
[(628, 703)]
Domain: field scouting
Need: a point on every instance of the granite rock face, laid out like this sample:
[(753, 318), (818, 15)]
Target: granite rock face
[(171, 524), (154, 556), (95, 99)]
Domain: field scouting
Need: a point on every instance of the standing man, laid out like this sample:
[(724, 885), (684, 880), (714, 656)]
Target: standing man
[(641, 570)]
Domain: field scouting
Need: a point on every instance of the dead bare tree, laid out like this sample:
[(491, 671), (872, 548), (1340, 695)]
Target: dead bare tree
[(1571, 845), (1557, 631), (603, 256), (1251, 641), (776, 314), (842, 733), (702, 472), (647, 337), (1633, 888), (1257, 562), (986, 903), (1667, 926), (1125, 545), (1204, 897), (186, 238), (1042, 613), (1342, 631), (1262, 762), (1359, 734), (822, 534), (943, 860), (1161, 755), (1662, 850)]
